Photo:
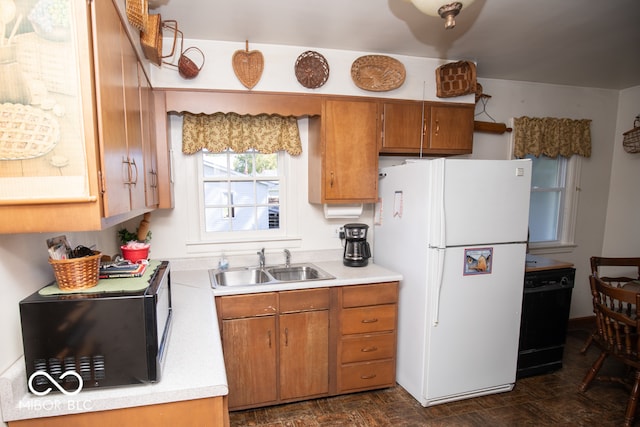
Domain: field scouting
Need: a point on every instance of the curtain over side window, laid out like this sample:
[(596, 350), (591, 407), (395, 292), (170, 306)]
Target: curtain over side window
[(551, 137), (240, 133)]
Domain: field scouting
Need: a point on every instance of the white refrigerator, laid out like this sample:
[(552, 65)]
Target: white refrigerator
[(457, 231)]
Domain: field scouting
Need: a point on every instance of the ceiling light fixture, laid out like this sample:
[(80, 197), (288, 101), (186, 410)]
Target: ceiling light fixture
[(448, 12)]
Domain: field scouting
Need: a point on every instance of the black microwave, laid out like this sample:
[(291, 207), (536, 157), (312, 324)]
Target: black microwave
[(107, 339)]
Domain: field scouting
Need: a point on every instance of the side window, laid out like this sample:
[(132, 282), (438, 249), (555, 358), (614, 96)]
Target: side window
[(241, 192), (552, 211)]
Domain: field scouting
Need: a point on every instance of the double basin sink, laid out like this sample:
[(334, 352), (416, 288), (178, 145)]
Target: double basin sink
[(250, 276)]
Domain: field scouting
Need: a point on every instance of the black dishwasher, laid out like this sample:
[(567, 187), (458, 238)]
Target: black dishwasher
[(545, 314)]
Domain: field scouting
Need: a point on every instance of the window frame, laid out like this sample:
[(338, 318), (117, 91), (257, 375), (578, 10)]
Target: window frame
[(291, 195), (569, 211)]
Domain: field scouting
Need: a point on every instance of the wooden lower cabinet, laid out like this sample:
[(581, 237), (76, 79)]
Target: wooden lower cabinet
[(304, 354), (294, 345), (276, 346), (250, 360), (207, 412), (367, 337)]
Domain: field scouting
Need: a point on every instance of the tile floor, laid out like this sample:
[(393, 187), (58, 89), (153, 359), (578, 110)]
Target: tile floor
[(545, 400)]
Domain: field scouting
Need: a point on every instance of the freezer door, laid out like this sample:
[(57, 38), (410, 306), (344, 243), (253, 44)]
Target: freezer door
[(473, 345), (479, 201)]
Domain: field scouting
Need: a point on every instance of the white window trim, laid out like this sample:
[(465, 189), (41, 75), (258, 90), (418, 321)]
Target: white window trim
[(200, 242), (566, 242)]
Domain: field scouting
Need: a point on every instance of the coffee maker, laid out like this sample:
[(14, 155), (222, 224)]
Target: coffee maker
[(356, 247)]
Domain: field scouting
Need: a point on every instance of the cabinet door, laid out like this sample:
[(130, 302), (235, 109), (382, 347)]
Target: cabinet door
[(402, 127), (148, 141), (450, 128), (131, 85), (304, 354), (351, 151), (111, 114), (249, 347)]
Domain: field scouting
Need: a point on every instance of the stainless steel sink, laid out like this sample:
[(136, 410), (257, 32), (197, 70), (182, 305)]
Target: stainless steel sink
[(239, 277), (298, 273), (252, 276)]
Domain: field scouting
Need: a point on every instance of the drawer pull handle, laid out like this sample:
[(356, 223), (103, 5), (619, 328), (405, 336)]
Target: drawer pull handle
[(269, 336), (367, 377), (286, 337), (368, 349), (374, 320)]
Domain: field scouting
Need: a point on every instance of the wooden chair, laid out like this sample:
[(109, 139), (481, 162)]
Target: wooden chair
[(618, 319), (607, 265)]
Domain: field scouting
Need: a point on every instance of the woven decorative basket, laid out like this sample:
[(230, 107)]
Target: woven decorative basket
[(248, 66), (312, 69), (138, 13), (187, 68), (151, 38), (456, 79), (377, 73), (631, 139), (77, 273)]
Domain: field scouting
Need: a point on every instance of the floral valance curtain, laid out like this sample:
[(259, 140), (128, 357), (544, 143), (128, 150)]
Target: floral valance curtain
[(551, 137), (218, 132)]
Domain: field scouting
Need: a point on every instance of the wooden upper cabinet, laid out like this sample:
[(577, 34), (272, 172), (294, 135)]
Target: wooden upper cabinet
[(402, 127), (414, 127), (149, 148), (343, 162), (450, 128), (104, 122), (119, 113)]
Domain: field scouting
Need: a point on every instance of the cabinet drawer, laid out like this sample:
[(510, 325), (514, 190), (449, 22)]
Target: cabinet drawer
[(368, 347), (361, 295), (304, 300), (237, 306), (369, 319), (367, 375)]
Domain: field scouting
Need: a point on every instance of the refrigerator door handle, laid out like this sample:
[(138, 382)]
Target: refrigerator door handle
[(438, 225), (435, 301)]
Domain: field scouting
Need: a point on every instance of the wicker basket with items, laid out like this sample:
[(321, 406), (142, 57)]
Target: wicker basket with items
[(76, 268), (631, 139)]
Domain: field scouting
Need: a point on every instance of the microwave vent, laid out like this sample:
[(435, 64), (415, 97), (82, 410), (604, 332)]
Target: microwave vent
[(89, 367), (98, 367), (84, 368)]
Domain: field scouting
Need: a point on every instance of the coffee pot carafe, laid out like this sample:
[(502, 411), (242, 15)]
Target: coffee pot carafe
[(356, 247)]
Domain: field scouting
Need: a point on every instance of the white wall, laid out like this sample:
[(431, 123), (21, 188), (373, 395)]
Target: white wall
[(24, 267), (622, 231), (515, 99)]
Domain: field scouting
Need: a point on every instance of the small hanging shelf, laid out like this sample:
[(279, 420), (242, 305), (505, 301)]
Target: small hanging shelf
[(488, 127)]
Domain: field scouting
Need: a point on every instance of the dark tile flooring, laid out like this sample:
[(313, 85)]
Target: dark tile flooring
[(545, 400)]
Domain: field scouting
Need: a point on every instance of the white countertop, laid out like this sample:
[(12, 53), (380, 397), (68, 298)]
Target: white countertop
[(344, 276), (194, 368)]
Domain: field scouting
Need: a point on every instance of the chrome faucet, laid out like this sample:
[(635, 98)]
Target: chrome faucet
[(287, 258), (261, 255)]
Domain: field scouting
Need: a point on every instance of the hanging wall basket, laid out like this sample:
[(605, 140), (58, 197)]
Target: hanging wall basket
[(631, 139), (248, 66)]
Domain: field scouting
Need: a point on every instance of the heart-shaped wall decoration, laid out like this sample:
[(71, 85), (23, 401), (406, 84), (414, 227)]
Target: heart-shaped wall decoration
[(248, 66)]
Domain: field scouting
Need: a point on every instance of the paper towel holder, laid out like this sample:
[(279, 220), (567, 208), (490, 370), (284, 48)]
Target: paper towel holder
[(343, 211)]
